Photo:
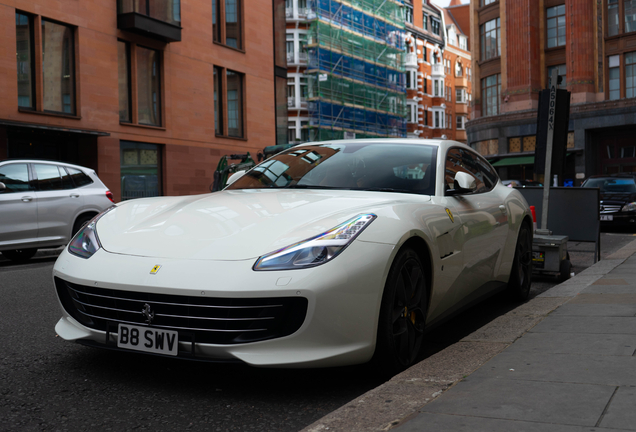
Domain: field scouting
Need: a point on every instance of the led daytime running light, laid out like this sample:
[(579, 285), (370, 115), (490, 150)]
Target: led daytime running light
[(316, 250)]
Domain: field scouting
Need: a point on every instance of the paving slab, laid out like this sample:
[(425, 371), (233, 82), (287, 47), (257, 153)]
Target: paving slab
[(609, 289), (605, 298), (620, 413), (458, 423), (563, 368), (581, 344), (595, 309), (582, 324), (549, 402)]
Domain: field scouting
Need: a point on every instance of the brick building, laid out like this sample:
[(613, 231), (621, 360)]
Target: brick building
[(438, 66), (150, 94), (515, 46)]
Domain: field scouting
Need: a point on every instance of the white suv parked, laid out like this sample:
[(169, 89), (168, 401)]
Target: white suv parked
[(43, 204)]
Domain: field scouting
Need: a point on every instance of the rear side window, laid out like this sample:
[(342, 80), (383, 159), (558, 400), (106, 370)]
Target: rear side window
[(15, 177), (48, 177), (79, 178), (462, 160)]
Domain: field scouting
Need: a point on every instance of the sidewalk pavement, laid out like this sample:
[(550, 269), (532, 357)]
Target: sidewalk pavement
[(564, 361)]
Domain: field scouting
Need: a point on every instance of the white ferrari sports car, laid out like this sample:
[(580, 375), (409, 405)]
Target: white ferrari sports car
[(327, 254)]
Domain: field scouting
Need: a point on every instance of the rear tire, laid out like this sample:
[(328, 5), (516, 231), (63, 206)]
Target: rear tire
[(521, 272), (19, 255), (402, 314)]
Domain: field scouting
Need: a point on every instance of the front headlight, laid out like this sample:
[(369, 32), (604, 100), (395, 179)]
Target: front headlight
[(316, 250), (86, 243), (629, 207)]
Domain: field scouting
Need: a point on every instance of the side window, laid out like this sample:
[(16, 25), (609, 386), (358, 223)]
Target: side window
[(461, 160), (48, 177), (67, 183), (15, 177), (79, 178)]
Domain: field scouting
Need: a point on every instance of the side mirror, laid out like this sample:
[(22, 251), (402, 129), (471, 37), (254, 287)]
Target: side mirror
[(3, 187), (463, 183), (234, 177)]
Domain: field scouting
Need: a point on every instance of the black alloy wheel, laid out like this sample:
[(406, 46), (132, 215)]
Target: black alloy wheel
[(521, 272), (402, 314), (19, 255)]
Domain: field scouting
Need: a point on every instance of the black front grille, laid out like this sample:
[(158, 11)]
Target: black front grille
[(212, 320)]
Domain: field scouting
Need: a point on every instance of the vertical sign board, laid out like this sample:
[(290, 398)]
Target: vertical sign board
[(548, 152)]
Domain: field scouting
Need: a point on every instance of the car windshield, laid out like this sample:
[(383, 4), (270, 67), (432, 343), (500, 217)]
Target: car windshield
[(620, 185), (356, 166)]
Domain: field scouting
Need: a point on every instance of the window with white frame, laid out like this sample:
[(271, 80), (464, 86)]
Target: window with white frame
[(411, 110), (459, 70), (409, 14), (460, 95), (411, 79), (461, 122), (296, 46), (438, 119), (463, 43), (438, 88)]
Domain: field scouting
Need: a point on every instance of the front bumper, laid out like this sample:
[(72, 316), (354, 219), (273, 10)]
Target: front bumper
[(342, 300), (618, 219)]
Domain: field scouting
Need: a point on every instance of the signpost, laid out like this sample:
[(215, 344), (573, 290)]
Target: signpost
[(548, 154)]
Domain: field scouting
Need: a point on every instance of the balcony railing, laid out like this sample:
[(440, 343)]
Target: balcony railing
[(437, 70), (293, 103), (301, 59), (411, 59), (159, 19)]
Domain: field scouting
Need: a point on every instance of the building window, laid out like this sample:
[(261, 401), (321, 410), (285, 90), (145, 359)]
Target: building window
[(486, 2), (614, 78), (146, 104), (140, 168), (409, 14), (561, 71), (461, 122), (463, 43), (490, 90), (612, 17), (556, 26), (490, 39), (411, 112), (57, 70), (459, 70), (438, 88), (630, 15), (411, 79), (630, 75), (123, 64), (425, 22), (228, 103), (460, 95), (435, 26), (24, 56), (227, 23)]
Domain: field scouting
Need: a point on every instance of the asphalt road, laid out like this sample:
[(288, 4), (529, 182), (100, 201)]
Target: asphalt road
[(49, 384)]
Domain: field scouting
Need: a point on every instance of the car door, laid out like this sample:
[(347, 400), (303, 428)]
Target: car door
[(483, 218), (18, 207), (58, 202)]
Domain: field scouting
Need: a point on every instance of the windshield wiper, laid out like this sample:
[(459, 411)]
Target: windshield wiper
[(305, 186), (385, 189)]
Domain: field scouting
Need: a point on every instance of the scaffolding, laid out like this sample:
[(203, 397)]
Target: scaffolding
[(355, 71)]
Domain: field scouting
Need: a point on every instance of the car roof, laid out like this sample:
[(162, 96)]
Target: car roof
[(66, 164), (441, 143), (617, 175)]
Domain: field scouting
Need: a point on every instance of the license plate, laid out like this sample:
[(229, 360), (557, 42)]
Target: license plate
[(607, 217), (148, 339)]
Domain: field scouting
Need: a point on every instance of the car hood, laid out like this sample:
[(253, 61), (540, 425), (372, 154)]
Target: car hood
[(232, 225)]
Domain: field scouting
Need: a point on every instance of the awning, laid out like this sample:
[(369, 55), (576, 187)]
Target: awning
[(510, 161)]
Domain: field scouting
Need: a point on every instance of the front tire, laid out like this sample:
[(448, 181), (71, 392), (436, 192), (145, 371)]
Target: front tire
[(402, 314), (19, 255), (521, 272)]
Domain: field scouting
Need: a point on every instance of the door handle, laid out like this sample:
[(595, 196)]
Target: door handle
[(27, 198), (503, 209), (74, 195)]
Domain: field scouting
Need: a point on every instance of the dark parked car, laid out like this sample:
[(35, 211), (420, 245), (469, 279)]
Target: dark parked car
[(618, 198)]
